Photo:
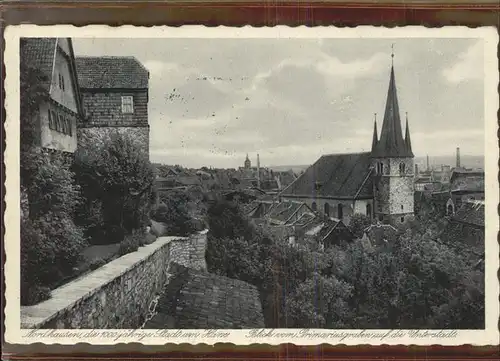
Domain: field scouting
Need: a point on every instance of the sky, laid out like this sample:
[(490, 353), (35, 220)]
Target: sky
[(212, 101)]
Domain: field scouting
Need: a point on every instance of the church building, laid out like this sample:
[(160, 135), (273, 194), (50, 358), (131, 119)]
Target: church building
[(378, 183)]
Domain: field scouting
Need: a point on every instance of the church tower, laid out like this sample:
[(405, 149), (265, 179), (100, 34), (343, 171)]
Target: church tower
[(248, 164), (392, 161)]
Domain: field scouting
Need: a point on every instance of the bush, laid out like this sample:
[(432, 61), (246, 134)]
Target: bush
[(132, 242), (116, 177), (33, 294), (97, 263), (50, 241), (173, 213)]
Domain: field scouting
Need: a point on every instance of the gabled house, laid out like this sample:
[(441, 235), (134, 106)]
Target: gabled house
[(464, 186), (115, 93), (466, 230), (59, 115), (326, 232)]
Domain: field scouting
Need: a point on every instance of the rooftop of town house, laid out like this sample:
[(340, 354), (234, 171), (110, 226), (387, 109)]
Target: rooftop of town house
[(471, 212), (111, 72), (196, 299), (283, 211), (470, 181)]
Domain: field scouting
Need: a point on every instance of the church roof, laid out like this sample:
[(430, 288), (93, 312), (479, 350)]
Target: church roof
[(343, 176), (391, 143)]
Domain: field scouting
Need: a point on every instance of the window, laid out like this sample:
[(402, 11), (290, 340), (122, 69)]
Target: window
[(402, 219), (61, 82), (314, 206), (340, 213), (402, 208), (127, 104), (369, 210), (51, 120), (327, 209), (63, 124), (70, 128), (380, 168), (402, 168)]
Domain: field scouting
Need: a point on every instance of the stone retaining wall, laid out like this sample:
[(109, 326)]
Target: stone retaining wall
[(118, 294)]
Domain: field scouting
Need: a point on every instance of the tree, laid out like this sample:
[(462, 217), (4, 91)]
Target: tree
[(50, 241), (173, 213), (116, 175), (358, 224)]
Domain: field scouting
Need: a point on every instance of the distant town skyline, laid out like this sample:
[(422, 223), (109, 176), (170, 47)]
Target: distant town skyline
[(212, 101)]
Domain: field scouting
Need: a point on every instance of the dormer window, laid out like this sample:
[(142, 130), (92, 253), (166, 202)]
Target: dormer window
[(127, 104), (317, 186)]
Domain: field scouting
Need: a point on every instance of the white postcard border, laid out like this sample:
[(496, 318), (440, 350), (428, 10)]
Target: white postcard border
[(13, 333)]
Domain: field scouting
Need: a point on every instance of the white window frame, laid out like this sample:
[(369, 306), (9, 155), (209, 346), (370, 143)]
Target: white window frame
[(127, 104)]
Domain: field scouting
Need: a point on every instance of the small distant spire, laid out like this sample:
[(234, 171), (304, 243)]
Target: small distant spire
[(407, 136), (375, 133), (392, 54)]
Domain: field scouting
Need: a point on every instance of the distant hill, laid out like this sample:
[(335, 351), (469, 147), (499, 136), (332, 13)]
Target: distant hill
[(467, 161), (283, 168)]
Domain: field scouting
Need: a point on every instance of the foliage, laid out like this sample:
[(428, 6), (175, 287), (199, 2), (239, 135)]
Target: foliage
[(132, 242), (116, 178), (50, 241), (415, 282), (358, 224), (50, 249), (97, 263), (173, 213)]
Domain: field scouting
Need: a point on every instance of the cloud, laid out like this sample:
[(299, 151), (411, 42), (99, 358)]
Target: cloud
[(292, 100), (469, 65)]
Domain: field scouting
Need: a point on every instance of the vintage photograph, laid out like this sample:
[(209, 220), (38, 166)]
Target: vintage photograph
[(252, 183)]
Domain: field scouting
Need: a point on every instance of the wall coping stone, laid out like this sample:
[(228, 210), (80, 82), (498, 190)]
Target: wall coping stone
[(87, 285)]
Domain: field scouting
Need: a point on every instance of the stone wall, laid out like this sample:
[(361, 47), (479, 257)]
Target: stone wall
[(118, 294), (88, 136), (394, 190)]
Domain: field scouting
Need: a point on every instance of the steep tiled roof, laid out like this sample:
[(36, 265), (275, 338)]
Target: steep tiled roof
[(197, 299), (335, 175), (39, 53), (284, 210), (470, 181), (111, 72), (305, 219), (471, 212), (391, 143)]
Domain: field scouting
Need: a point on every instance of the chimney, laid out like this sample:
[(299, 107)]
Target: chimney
[(458, 157), (258, 171)]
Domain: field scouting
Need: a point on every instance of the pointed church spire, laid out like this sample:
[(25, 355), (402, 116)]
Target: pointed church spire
[(391, 143), (407, 136), (375, 134)]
